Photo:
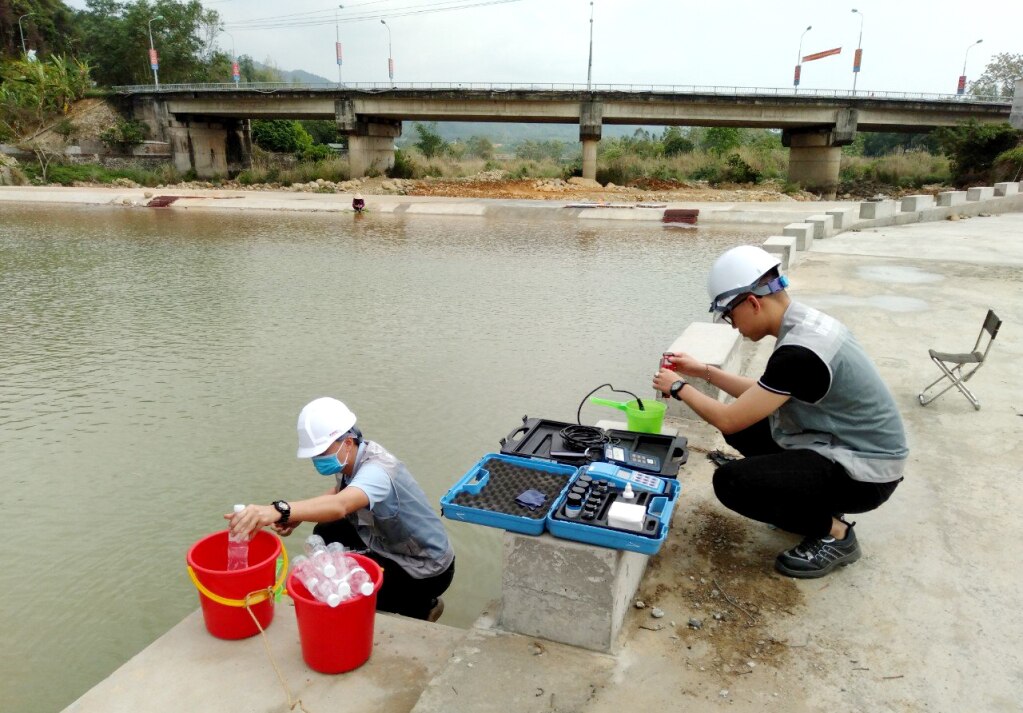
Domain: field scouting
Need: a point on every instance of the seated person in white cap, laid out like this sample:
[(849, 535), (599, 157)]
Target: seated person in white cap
[(374, 507), (820, 431)]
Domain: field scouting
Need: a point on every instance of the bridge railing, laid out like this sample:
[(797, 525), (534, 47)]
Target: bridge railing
[(375, 87)]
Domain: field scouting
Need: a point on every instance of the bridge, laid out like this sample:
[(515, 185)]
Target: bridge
[(207, 125)]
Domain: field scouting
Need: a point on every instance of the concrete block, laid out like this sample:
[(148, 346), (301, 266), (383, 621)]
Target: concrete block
[(1006, 189), (950, 198), (567, 591), (784, 247), (823, 225), (713, 343), (872, 210), (843, 217), (912, 204), (980, 193), (802, 232)]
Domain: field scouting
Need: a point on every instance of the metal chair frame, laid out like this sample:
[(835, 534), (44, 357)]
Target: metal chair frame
[(951, 365)]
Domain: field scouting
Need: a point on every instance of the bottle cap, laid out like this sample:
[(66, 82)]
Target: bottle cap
[(239, 507), (344, 589), (366, 588), (329, 570), (628, 493), (333, 599)]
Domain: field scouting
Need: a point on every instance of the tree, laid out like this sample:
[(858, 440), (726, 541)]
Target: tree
[(480, 147), (34, 93), (675, 142), (973, 148), (280, 135), (722, 139), (999, 77), (430, 143), (115, 38)]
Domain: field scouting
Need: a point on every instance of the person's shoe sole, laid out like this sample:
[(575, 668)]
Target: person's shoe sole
[(815, 573), (436, 612)]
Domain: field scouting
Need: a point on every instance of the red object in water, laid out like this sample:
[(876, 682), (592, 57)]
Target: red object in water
[(681, 215), (336, 639)]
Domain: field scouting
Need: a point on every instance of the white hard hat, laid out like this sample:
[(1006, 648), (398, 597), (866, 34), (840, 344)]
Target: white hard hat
[(321, 422), (737, 271)]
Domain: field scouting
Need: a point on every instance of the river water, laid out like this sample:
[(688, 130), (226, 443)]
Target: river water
[(154, 362)]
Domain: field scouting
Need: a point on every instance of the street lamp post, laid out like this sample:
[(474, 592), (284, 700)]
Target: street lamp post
[(22, 32), (858, 57), (390, 57), (589, 66), (154, 62), (235, 73), (961, 89), (337, 43), (799, 58)]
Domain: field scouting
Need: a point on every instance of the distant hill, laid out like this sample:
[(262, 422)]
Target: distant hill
[(293, 75)]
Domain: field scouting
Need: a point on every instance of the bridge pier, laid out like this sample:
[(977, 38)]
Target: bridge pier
[(590, 124), (213, 146), (370, 141), (815, 155)]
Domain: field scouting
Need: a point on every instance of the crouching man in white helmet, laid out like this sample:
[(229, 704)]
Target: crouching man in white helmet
[(819, 430), (374, 507)]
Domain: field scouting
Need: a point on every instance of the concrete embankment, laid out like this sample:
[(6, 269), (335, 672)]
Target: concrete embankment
[(926, 621)]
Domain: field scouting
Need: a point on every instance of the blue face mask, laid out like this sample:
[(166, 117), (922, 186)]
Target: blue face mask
[(327, 465)]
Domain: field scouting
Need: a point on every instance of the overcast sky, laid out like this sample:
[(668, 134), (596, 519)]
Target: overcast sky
[(910, 46)]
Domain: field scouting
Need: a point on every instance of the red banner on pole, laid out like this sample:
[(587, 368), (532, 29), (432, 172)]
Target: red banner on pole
[(154, 61), (795, 77), (857, 58), (337, 51), (235, 72), (961, 88), (821, 55)]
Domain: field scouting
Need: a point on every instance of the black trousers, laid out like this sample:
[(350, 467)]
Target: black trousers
[(797, 490), (400, 592)]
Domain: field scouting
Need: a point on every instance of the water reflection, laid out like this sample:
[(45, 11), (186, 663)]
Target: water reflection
[(155, 362)]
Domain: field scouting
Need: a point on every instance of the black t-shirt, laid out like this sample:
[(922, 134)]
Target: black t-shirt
[(797, 372)]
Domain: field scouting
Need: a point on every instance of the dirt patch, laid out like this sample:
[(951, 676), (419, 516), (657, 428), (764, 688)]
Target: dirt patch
[(724, 599), (89, 117)]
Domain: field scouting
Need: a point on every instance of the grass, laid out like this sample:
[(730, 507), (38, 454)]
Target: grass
[(67, 174), (909, 169)]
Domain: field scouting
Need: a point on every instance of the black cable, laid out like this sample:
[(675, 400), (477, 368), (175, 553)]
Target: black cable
[(578, 411), (583, 438)]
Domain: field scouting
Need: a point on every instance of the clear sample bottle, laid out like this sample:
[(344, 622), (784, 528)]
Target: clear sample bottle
[(237, 548)]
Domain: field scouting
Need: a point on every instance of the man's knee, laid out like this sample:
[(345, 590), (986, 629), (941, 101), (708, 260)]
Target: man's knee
[(726, 484)]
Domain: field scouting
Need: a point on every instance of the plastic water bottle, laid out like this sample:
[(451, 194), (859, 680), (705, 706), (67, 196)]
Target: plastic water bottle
[(359, 580), (339, 556), (311, 543), (323, 561), (237, 548)]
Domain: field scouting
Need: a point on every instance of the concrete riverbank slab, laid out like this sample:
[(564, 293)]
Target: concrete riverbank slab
[(186, 669)]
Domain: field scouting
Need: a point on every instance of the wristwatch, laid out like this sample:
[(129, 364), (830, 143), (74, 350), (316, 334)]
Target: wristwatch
[(676, 388), (284, 509)]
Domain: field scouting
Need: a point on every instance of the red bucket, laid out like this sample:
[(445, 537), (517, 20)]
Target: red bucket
[(336, 639), (207, 565)]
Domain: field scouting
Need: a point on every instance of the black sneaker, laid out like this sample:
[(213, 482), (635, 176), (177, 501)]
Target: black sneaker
[(817, 556)]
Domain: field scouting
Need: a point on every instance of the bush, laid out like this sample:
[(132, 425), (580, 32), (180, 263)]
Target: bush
[(316, 152), (973, 148), (404, 166), (124, 134), (740, 172)]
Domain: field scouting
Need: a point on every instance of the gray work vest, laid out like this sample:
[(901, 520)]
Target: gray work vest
[(856, 424), (403, 527)]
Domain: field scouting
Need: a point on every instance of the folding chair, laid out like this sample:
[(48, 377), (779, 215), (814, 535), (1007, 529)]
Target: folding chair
[(951, 365)]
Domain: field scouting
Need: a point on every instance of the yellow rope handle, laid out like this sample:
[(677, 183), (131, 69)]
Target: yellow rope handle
[(251, 598)]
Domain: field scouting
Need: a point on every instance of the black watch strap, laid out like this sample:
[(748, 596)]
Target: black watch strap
[(676, 388), (284, 509)]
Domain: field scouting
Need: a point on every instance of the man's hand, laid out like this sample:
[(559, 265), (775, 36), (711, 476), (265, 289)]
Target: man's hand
[(252, 518), (284, 530), (686, 365), (664, 379)]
